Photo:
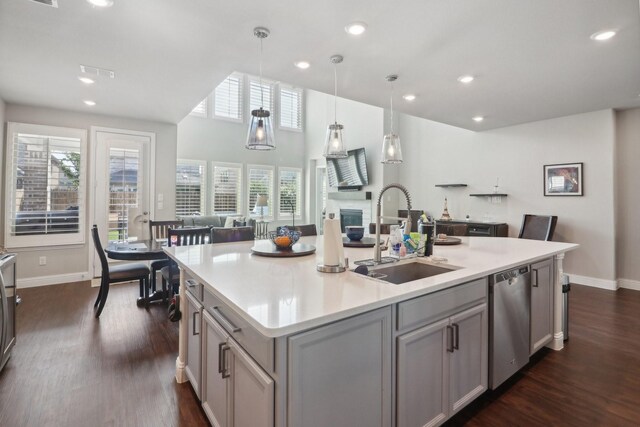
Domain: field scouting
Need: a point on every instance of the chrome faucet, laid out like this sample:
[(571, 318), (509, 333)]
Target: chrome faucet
[(377, 257)]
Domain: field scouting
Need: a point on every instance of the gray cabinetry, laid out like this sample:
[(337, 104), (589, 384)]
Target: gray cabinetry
[(193, 314), (442, 366), (340, 374), (542, 281), (235, 390)]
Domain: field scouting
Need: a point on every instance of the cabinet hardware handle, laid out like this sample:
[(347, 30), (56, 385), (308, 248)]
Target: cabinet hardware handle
[(220, 345), (534, 281), (194, 323), (191, 283), (449, 339), (456, 335), (225, 322), (225, 372)]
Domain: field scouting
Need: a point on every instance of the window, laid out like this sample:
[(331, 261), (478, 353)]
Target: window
[(228, 98), (289, 192), (191, 178), (290, 108), (260, 180), (45, 185), (256, 98), (227, 188), (201, 109)]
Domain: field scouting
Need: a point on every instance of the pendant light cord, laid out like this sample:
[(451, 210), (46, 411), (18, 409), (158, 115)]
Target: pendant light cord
[(335, 93), (391, 102), (261, 89)]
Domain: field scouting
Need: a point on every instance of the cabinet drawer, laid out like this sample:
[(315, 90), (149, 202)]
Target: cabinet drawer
[(195, 288), (257, 345), (438, 305)]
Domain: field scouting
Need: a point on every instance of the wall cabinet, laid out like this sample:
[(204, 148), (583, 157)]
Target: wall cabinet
[(441, 367), (542, 281), (193, 313), (235, 390), (340, 374)]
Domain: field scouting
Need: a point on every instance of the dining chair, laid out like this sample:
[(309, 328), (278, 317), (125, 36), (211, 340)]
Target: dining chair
[(180, 237), (235, 234), (159, 230), (538, 227), (305, 230), (117, 273)]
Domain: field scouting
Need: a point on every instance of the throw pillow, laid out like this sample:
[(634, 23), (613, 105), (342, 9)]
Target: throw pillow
[(230, 219)]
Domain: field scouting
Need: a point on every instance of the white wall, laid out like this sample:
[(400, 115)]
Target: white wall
[(628, 197), (2, 138), (439, 154), (69, 263)]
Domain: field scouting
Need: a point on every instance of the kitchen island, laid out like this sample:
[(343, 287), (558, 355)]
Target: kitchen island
[(329, 349)]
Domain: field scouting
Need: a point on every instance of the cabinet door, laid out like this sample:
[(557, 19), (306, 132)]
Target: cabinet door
[(214, 386), (194, 316), (252, 391), (422, 375), (542, 278), (340, 374), (468, 369)]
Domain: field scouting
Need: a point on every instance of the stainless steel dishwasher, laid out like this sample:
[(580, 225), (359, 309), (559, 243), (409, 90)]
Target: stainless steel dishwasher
[(509, 323)]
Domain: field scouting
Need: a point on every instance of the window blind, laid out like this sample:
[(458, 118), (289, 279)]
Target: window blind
[(260, 180), (290, 107), (228, 98), (190, 187), (200, 110), (290, 191), (227, 188)]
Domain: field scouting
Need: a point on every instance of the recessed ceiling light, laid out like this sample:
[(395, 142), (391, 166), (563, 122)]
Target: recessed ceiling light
[(603, 35), (465, 79), (303, 65), (356, 28), (101, 3), (90, 103), (86, 80), (409, 97), (478, 119)]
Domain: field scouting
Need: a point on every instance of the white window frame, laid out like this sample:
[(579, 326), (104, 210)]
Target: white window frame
[(285, 214), (270, 197), (40, 240), (204, 114), (203, 183), (240, 207), (300, 107), (272, 91), (241, 85)]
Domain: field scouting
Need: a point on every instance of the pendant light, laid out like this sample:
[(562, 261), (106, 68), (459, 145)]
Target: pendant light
[(333, 146), (391, 150), (260, 135)]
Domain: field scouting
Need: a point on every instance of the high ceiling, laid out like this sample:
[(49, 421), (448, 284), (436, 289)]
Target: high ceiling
[(532, 60)]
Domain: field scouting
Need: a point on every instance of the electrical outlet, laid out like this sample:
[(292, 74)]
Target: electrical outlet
[(43, 260)]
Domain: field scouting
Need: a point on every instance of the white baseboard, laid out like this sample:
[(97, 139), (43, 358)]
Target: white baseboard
[(33, 282), (629, 284), (611, 285)]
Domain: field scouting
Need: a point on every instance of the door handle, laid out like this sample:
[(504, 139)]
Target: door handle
[(534, 279), (456, 336), (194, 323), (449, 339)]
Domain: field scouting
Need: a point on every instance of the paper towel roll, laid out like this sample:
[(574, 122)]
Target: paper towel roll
[(332, 243)]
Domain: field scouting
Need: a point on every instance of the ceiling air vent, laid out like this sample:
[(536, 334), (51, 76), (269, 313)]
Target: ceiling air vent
[(52, 3), (100, 72)]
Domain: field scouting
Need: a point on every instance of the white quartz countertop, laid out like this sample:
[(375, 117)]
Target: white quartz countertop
[(281, 296)]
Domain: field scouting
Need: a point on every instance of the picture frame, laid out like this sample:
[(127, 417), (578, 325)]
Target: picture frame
[(563, 179)]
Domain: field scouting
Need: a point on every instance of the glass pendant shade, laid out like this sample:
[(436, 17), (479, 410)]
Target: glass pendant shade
[(333, 146), (391, 150), (260, 135)]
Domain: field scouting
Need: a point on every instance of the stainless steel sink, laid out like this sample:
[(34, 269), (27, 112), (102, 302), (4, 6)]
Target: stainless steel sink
[(407, 272)]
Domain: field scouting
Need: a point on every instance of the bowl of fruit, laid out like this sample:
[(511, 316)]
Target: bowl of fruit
[(284, 238)]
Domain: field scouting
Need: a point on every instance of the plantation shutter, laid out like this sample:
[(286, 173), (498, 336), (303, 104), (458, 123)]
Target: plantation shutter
[(290, 189), (260, 180), (290, 108), (227, 189), (190, 187), (254, 95), (228, 98)]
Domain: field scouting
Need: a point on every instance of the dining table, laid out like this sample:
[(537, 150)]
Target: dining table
[(139, 250)]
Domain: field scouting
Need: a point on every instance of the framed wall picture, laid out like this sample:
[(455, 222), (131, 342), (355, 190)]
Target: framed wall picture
[(563, 180)]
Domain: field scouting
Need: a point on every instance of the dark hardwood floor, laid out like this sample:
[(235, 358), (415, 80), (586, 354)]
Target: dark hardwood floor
[(69, 369)]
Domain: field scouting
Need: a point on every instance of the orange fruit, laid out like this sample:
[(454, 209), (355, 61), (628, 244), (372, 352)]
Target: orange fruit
[(282, 241)]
